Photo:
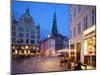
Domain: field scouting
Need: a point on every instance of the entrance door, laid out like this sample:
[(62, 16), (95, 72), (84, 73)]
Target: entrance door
[(78, 51)]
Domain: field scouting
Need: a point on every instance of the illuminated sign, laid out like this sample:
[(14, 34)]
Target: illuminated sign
[(89, 30)]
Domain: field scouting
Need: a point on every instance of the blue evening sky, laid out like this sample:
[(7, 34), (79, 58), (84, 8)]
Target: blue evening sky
[(42, 14)]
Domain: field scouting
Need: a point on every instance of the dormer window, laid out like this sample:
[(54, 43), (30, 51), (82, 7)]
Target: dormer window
[(27, 19)]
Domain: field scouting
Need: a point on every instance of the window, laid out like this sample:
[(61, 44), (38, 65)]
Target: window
[(13, 39), (13, 28), (38, 41), (13, 33), (32, 36), (38, 36), (27, 29), (74, 31), (74, 13), (85, 23), (32, 42), (20, 29), (27, 19), (27, 35), (70, 34), (93, 17), (71, 18), (79, 28), (20, 41), (27, 41), (72, 46), (38, 31), (20, 35), (79, 8), (33, 31)]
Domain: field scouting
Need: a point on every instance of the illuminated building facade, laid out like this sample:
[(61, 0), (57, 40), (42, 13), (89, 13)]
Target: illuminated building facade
[(25, 32), (47, 47), (83, 33)]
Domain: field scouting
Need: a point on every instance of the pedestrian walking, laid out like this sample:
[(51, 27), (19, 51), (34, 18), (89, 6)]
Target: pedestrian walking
[(65, 60), (61, 57), (78, 66)]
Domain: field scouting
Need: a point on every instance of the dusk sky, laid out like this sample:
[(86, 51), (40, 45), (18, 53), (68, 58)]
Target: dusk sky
[(42, 14)]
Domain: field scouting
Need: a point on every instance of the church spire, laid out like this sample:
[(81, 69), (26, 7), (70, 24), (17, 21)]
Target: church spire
[(54, 31)]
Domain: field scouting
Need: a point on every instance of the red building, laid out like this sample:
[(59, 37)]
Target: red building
[(47, 47)]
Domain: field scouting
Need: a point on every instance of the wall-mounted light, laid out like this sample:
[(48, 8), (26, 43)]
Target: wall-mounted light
[(26, 47), (16, 52)]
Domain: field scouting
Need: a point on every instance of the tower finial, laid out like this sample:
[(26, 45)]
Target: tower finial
[(27, 9)]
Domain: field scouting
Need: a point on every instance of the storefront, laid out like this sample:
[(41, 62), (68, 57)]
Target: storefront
[(25, 50), (90, 46), (69, 53)]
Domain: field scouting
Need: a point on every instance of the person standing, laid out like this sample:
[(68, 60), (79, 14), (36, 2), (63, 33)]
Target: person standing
[(78, 66)]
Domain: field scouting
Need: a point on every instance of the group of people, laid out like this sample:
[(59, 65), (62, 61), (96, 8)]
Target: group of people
[(64, 60)]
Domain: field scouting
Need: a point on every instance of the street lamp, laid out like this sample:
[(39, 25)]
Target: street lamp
[(16, 52), (28, 51), (49, 36), (26, 47)]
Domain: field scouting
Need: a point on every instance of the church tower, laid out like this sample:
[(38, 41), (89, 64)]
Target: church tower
[(54, 31)]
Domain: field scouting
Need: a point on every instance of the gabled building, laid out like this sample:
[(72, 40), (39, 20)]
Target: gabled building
[(25, 32)]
